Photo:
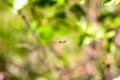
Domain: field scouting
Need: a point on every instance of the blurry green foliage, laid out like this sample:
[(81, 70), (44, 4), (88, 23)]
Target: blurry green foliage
[(11, 2), (31, 42), (111, 2), (77, 10), (46, 34), (105, 1), (44, 3)]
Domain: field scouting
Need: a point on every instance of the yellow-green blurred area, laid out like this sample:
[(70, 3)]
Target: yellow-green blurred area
[(59, 39)]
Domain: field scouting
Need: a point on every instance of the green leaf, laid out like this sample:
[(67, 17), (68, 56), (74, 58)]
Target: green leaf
[(63, 61), (110, 34), (44, 3), (60, 2), (113, 3), (82, 1), (77, 10), (45, 34), (87, 40), (11, 2), (34, 25), (109, 46), (105, 1), (82, 38)]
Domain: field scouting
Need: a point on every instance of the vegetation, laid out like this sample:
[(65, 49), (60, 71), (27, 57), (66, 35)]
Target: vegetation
[(59, 39)]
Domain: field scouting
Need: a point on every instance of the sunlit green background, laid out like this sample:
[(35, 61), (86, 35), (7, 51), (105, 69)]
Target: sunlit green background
[(59, 39)]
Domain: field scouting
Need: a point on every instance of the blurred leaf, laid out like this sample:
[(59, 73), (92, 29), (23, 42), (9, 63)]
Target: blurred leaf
[(90, 30), (88, 40), (112, 47), (11, 2), (63, 61), (110, 34), (109, 46), (105, 1), (60, 14), (77, 10), (82, 38), (60, 2), (82, 1), (117, 21), (44, 3), (34, 25), (45, 34), (100, 34), (82, 25), (113, 3)]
